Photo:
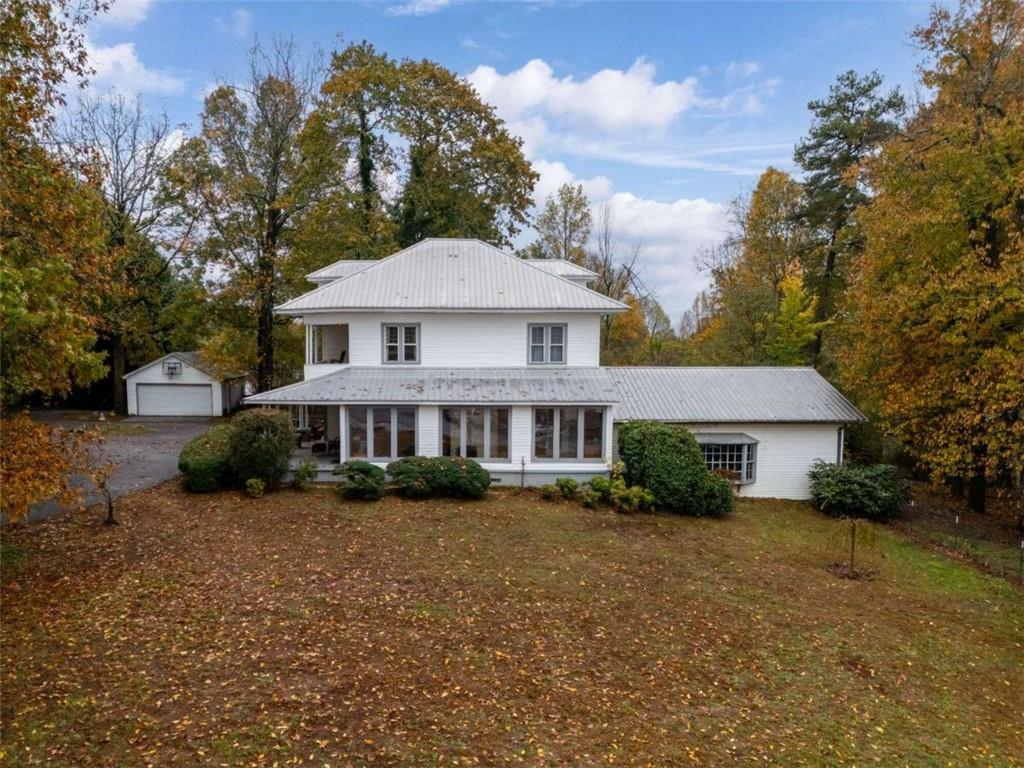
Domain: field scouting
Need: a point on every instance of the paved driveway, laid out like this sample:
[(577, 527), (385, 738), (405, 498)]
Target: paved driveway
[(144, 449)]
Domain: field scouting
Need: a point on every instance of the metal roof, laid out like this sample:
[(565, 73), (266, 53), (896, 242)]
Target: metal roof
[(339, 269), (721, 394), (193, 359), (689, 395), (448, 385), (724, 438), (451, 275), (563, 268)]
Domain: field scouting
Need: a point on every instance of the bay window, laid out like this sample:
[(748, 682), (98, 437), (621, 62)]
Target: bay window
[(568, 433), (381, 432), (731, 455), (475, 432)]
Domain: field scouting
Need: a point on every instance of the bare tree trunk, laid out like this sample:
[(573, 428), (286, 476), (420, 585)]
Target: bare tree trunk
[(265, 275)]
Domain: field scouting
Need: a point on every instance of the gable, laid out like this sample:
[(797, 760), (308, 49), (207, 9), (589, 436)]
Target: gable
[(452, 275)]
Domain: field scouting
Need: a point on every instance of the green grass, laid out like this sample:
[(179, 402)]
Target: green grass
[(303, 630)]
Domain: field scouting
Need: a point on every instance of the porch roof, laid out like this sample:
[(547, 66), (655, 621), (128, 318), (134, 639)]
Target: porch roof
[(448, 385)]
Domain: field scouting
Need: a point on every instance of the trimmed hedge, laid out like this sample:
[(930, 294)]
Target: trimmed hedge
[(666, 460), (873, 492), (360, 480), (440, 476), (260, 444), (204, 461)]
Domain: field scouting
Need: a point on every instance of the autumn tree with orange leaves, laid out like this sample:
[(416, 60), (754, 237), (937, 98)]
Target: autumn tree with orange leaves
[(934, 317)]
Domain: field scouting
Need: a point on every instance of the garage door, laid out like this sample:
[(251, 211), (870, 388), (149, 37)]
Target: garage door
[(175, 399)]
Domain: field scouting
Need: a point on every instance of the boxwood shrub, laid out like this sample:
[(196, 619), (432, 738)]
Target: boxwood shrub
[(204, 460), (440, 476), (873, 492), (260, 443), (360, 480), (666, 460)]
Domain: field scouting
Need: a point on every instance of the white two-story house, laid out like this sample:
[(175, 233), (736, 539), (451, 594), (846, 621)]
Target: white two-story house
[(457, 348)]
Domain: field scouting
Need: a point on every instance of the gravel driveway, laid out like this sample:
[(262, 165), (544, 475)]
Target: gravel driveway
[(144, 449)]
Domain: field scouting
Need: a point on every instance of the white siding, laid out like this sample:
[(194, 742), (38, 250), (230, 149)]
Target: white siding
[(785, 454), (465, 340), (154, 374)]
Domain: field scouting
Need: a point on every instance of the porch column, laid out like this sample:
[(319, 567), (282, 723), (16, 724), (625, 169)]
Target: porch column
[(342, 433)]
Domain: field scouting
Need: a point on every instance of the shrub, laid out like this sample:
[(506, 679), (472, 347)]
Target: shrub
[(421, 476), (305, 474), (204, 460), (255, 487), (360, 480), (633, 499), (589, 499), (261, 442), (415, 476), (567, 486), (603, 487), (718, 496), (874, 492), (666, 460), (549, 492)]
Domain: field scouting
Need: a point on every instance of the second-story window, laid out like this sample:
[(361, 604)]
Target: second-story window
[(547, 344), (401, 343)]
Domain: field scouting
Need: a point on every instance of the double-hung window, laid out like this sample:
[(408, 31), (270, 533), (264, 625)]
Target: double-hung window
[(731, 455), (568, 434), (401, 342), (381, 432), (475, 432), (546, 344)]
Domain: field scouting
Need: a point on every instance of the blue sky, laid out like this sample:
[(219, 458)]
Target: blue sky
[(663, 111)]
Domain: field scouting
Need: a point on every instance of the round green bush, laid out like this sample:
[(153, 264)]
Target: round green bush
[(568, 486), (261, 443), (549, 492), (305, 474), (440, 476), (360, 480), (204, 460), (873, 492), (666, 460)]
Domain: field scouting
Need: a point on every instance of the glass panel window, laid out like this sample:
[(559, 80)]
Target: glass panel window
[(736, 462), (568, 433), (499, 433), (474, 419), (544, 433), (593, 433), (451, 431), (547, 343), (357, 432), (401, 343), (381, 433), (406, 431)]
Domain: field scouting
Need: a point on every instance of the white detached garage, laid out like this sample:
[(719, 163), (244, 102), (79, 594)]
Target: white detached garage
[(180, 384)]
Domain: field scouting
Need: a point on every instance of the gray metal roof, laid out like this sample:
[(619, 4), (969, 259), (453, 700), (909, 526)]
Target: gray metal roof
[(339, 269), (451, 275), (193, 359), (563, 268), (723, 438), (690, 395), (448, 385), (720, 394)]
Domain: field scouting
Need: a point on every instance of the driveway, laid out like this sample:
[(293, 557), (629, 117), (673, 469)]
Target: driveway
[(144, 449)]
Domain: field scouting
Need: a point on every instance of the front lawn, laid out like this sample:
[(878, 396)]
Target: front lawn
[(299, 630)]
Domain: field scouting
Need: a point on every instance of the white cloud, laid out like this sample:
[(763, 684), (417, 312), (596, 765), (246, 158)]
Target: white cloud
[(737, 70), (125, 13), (748, 100), (237, 24), (555, 174), (418, 7), (118, 68), (613, 100)]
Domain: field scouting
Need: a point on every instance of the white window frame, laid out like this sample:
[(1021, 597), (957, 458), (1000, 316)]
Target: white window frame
[(393, 448), (402, 343), (556, 435), (547, 343), (488, 453), (747, 459)]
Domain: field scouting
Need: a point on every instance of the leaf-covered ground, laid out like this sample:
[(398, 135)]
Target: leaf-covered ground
[(300, 630)]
